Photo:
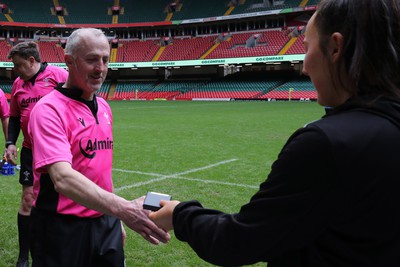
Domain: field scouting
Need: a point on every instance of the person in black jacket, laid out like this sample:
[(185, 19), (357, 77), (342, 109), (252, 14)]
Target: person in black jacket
[(332, 196)]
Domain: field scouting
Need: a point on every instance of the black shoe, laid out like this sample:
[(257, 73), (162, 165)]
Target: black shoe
[(23, 263)]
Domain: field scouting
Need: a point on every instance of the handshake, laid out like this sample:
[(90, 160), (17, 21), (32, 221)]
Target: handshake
[(162, 208), (151, 217)]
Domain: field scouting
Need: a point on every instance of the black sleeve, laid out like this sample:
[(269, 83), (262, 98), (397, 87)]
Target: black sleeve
[(14, 127), (290, 209)]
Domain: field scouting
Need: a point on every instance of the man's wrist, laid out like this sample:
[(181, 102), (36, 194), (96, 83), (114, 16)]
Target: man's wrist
[(8, 143)]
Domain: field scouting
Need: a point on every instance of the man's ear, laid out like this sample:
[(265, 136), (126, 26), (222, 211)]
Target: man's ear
[(336, 46), (69, 60), (31, 60)]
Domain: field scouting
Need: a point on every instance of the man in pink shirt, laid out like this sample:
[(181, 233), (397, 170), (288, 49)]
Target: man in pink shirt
[(4, 113), (73, 180), (36, 79)]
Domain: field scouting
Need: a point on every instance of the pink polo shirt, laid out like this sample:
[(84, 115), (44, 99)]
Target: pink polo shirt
[(24, 95), (4, 107), (65, 130)]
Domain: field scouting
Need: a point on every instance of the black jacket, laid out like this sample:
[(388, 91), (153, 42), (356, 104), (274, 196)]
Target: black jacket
[(332, 198)]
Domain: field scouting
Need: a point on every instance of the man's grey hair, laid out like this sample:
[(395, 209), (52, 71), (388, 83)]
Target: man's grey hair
[(74, 39)]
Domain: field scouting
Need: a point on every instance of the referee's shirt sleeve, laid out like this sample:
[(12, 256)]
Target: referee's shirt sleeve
[(49, 135)]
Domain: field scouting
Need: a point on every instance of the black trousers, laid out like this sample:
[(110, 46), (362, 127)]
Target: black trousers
[(66, 241)]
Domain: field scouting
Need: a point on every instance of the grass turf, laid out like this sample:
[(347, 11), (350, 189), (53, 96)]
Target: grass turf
[(215, 152)]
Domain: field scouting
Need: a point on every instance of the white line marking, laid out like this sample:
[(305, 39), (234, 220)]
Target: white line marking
[(138, 172), (204, 168), (140, 184), (163, 177), (216, 182)]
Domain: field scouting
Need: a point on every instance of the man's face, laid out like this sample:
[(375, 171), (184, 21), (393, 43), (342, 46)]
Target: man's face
[(24, 67), (90, 65)]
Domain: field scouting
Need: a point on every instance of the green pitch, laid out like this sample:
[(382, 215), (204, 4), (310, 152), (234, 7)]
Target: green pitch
[(215, 152)]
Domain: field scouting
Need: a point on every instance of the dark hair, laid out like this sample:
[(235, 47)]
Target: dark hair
[(25, 50), (371, 46)]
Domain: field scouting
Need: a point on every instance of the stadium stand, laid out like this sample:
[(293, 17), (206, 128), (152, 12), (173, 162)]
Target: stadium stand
[(312, 2), (99, 11), (104, 90), (137, 50), (200, 9), (23, 11), (256, 6), (84, 12), (6, 86), (187, 49), (230, 89), (177, 90), (51, 51), (297, 47), (133, 89), (206, 38), (300, 89), (269, 43), (4, 49), (234, 87), (143, 11), (171, 89)]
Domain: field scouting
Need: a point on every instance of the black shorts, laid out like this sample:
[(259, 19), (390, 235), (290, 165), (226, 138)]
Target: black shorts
[(65, 241), (26, 174)]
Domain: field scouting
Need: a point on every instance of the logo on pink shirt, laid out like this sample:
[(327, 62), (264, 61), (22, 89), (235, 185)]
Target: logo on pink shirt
[(89, 150), (25, 102), (82, 121)]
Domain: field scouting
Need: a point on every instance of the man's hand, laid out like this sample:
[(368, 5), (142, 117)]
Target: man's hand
[(138, 220), (12, 154), (163, 217)]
